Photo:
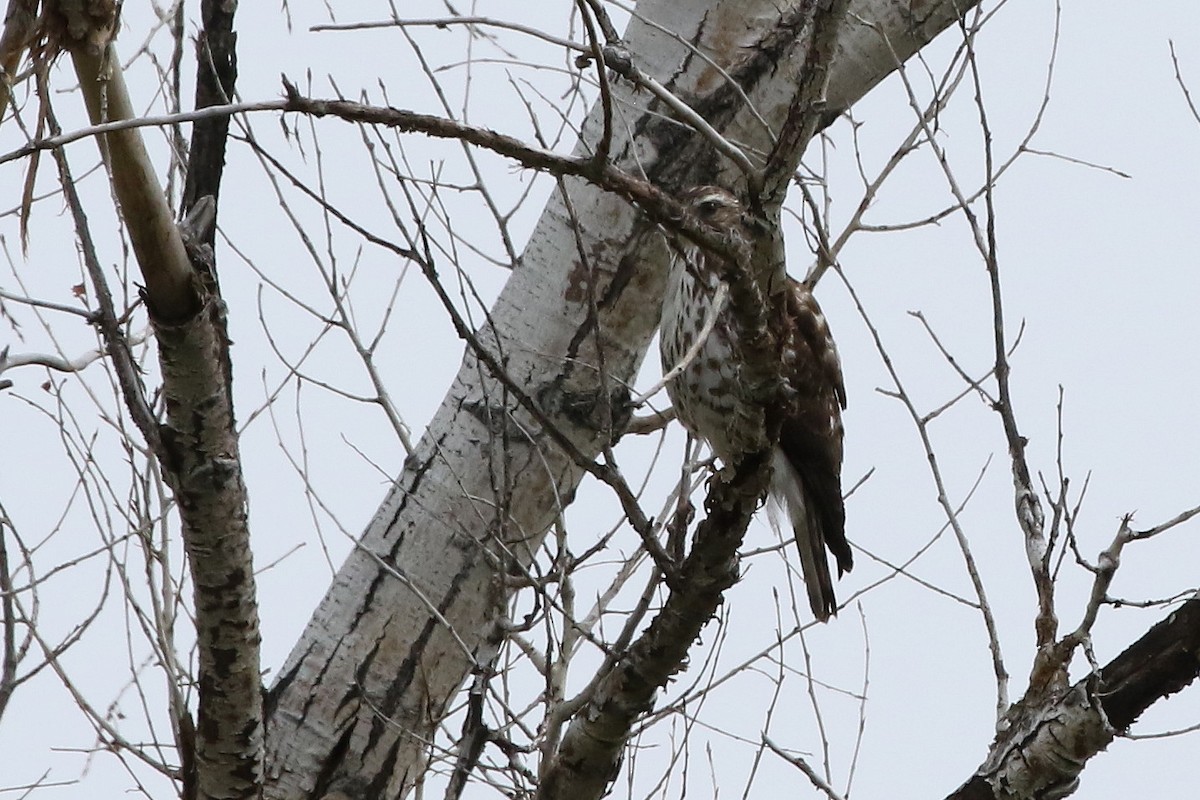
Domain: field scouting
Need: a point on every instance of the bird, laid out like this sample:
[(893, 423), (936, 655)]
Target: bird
[(710, 398)]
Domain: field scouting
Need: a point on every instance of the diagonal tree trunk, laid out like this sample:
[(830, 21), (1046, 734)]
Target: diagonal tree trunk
[(417, 603)]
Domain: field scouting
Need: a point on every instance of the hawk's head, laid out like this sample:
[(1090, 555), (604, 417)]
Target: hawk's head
[(718, 208), (714, 206)]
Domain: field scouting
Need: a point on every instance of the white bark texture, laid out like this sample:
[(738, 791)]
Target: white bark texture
[(1048, 737), (418, 601)]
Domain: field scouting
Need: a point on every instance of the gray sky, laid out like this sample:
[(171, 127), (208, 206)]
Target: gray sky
[(1096, 241)]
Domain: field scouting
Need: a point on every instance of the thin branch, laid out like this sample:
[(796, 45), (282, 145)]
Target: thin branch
[(1187, 95), (446, 22), (152, 121), (1178, 519), (46, 304), (952, 517), (128, 371), (651, 423), (809, 102), (657, 205), (796, 761), (596, 50), (60, 363)]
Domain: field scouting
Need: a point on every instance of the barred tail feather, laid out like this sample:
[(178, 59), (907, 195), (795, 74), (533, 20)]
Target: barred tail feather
[(787, 490)]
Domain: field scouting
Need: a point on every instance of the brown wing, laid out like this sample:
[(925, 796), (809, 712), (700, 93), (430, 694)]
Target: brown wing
[(811, 435)]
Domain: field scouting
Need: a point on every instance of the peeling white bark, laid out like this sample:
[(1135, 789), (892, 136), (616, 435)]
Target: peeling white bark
[(1048, 737), (1044, 758)]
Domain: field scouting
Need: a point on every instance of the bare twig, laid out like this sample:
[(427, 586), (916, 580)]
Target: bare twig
[(150, 121), (59, 363), (446, 22), (802, 765), (1183, 87), (650, 423), (952, 516), (1162, 527)]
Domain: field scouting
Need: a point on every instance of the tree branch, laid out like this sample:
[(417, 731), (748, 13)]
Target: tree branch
[(157, 245), (589, 756), (1047, 744), (198, 446), (216, 75)]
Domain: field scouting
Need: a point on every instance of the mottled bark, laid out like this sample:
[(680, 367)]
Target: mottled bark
[(202, 458), (198, 446)]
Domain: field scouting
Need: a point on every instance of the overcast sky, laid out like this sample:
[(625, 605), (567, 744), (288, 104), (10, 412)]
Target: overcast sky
[(1097, 241)]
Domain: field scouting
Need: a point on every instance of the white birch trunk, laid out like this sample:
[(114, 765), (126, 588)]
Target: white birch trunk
[(411, 608)]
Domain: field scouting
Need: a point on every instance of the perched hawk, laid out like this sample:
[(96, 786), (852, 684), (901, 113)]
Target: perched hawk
[(709, 399)]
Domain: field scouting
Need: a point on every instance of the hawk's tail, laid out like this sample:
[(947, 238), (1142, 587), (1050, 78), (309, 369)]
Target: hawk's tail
[(787, 489)]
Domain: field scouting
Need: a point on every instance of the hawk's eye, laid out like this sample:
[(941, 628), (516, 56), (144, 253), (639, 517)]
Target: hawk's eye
[(708, 207)]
